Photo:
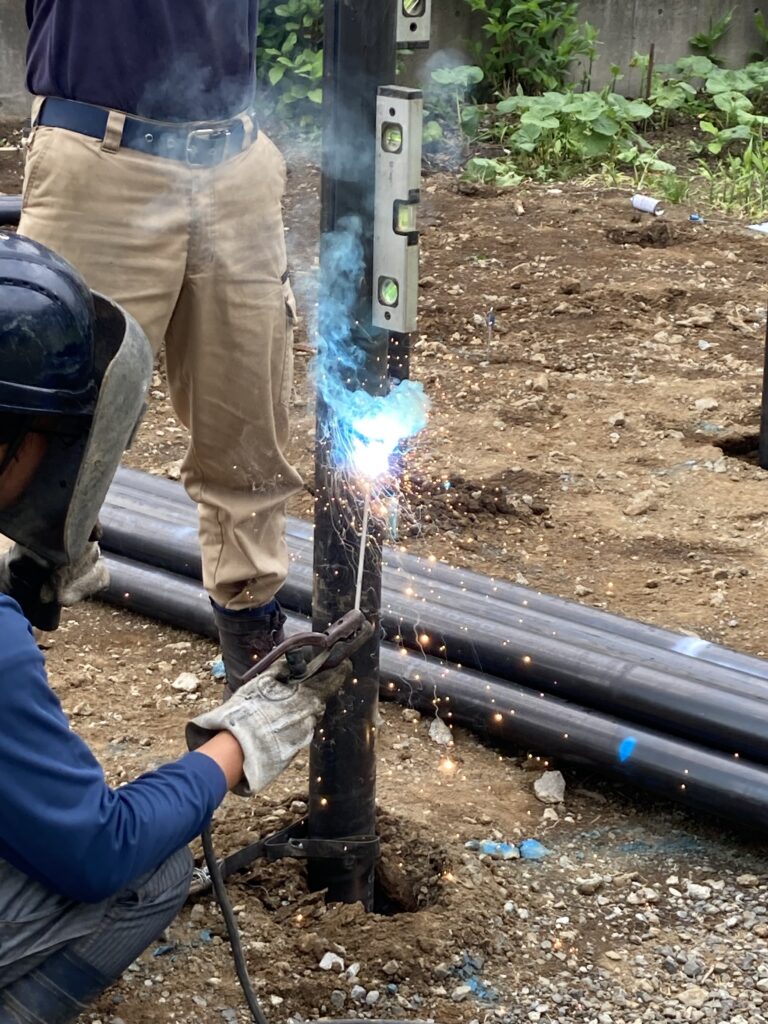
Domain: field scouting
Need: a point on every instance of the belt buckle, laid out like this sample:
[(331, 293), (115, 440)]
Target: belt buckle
[(206, 146)]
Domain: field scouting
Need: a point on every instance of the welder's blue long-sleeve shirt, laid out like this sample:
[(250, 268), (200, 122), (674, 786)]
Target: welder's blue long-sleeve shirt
[(60, 823)]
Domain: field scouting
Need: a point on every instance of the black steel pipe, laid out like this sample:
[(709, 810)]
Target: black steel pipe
[(762, 451), (647, 686), (359, 56), (699, 779), (166, 536), (10, 210), (490, 593)]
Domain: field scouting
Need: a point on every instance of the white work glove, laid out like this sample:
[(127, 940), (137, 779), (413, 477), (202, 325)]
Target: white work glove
[(272, 718), (65, 586)]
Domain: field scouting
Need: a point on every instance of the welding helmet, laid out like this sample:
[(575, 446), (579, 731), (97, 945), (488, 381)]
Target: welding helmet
[(76, 368)]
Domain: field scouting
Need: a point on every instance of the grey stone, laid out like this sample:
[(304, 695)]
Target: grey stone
[(550, 788)]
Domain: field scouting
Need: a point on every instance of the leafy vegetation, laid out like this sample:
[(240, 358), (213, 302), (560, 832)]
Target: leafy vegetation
[(707, 41), (530, 44), (290, 59)]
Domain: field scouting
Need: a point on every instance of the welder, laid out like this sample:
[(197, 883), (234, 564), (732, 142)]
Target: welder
[(147, 169), (90, 875)]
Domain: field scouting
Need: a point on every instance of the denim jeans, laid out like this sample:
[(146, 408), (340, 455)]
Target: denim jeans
[(57, 956)]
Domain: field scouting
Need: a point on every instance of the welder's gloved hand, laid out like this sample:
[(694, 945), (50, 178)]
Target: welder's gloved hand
[(65, 586), (272, 718), (81, 579)]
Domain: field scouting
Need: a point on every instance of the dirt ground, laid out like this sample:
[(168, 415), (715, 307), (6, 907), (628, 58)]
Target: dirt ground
[(600, 446)]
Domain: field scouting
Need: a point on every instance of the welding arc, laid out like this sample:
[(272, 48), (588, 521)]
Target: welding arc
[(701, 779), (487, 594), (657, 688)]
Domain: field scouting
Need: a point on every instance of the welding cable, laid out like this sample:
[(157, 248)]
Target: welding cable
[(220, 891)]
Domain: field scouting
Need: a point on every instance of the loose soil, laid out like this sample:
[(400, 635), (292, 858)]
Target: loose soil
[(599, 446)]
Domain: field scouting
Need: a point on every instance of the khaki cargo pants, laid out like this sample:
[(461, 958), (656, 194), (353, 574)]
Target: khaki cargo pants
[(197, 255)]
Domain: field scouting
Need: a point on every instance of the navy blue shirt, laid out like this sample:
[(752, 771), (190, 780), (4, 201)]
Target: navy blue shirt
[(172, 60), (60, 823)]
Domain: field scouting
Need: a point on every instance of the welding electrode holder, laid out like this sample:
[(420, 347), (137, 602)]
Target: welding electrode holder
[(309, 653)]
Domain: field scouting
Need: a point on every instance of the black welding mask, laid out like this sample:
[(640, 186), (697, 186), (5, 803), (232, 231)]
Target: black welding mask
[(75, 368)]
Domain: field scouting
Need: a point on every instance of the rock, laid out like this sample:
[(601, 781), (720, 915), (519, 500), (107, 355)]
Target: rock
[(694, 996), (618, 419), (706, 404), (197, 914), (358, 993), (541, 384), (338, 999), (571, 286), (762, 985), (550, 788), (589, 886), (581, 591), (173, 470), (391, 967), (700, 315), (692, 968), (331, 962), (187, 682), (440, 733), (460, 994), (697, 892), (373, 997), (748, 881), (641, 504), (550, 814), (411, 715)]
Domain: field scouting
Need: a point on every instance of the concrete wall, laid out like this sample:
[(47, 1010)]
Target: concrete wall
[(626, 27), (632, 26), (14, 101)]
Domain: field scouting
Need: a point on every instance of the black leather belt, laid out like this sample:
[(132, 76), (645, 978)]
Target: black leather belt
[(198, 143)]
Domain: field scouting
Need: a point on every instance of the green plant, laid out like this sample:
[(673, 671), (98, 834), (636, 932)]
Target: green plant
[(707, 41), (738, 183), (487, 171), (561, 133), (674, 187), (762, 27), (290, 59), (453, 86), (530, 44)]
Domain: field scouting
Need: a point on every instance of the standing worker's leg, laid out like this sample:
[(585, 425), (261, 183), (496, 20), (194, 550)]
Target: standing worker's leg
[(88, 947), (119, 216), (230, 368)]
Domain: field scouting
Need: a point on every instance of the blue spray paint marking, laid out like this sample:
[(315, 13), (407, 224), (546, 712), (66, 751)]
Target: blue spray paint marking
[(627, 748), (367, 430)]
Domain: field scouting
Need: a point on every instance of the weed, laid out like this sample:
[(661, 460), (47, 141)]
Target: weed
[(290, 59), (707, 41), (531, 44)]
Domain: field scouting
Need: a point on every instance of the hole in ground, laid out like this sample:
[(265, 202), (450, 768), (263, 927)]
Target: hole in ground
[(743, 445), (410, 870)]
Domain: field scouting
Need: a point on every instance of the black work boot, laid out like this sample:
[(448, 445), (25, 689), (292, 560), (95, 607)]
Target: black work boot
[(245, 638)]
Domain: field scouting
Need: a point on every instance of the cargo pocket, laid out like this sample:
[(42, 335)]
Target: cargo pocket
[(291, 319)]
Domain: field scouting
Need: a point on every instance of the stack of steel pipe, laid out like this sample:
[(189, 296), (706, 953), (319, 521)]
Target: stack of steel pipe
[(671, 712)]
